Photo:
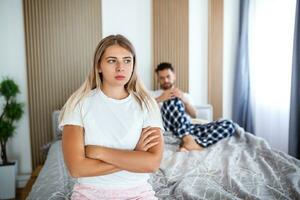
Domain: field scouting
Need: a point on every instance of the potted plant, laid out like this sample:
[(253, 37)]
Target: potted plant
[(11, 111)]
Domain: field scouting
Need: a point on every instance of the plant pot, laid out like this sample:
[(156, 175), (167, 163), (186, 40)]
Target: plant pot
[(8, 175)]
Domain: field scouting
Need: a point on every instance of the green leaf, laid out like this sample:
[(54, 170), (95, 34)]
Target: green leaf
[(8, 88), (11, 112), (14, 110), (6, 130)]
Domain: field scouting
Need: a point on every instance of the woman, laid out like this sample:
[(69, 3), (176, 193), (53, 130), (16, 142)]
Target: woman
[(112, 128)]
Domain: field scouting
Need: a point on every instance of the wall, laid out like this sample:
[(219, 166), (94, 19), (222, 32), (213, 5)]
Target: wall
[(133, 20), (61, 37), (13, 64), (198, 54), (215, 56), (170, 38), (231, 12)]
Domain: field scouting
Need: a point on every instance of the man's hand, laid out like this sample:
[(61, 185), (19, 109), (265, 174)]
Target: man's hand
[(166, 95), (178, 93), (147, 139), (171, 93), (175, 92)]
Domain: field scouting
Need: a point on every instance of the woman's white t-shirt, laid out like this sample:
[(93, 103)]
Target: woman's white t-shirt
[(112, 123)]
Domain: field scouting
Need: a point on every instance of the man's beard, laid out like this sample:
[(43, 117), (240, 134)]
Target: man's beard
[(166, 86)]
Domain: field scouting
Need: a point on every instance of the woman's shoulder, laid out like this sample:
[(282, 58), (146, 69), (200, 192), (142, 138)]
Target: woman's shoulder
[(87, 98), (90, 95)]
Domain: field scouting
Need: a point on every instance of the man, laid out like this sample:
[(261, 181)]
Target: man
[(175, 105), (167, 77)]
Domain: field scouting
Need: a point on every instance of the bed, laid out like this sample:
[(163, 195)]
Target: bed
[(241, 167)]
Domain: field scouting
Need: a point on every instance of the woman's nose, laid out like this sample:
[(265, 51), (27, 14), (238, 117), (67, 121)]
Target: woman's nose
[(119, 66)]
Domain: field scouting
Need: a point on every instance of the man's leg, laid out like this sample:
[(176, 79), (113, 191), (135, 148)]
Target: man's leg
[(208, 134), (176, 121), (194, 136), (189, 144)]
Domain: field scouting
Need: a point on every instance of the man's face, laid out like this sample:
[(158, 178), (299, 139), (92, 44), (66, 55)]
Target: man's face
[(166, 78)]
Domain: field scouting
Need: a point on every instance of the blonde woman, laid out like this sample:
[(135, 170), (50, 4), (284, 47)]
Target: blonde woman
[(112, 128)]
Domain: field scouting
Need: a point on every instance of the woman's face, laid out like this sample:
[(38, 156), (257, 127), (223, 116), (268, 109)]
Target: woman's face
[(116, 66)]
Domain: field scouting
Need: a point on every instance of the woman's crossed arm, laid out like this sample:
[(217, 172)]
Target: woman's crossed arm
[(83, 162), (145, 158)]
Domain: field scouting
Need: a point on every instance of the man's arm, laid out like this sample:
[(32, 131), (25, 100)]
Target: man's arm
[(189, 108), (74, 155), (175, 92)]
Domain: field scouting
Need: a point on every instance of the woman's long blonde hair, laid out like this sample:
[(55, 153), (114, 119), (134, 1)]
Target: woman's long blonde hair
[(94, 79)]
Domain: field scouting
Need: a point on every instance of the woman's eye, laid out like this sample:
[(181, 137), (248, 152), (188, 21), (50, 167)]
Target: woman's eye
[(126, 61), (111, 61)]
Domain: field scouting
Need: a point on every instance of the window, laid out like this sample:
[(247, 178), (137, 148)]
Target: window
[(271, 31)]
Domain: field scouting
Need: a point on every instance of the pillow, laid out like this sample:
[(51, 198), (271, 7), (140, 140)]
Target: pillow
[(57, 133)]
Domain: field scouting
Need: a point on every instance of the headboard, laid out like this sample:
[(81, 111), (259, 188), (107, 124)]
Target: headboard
[(205, 112), (56, 132)]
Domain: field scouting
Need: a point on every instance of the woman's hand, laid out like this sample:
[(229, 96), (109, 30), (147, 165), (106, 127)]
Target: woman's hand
[(147, 139), (92, 151)]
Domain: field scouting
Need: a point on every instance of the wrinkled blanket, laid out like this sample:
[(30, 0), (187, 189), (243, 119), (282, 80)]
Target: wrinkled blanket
[(240, 167)]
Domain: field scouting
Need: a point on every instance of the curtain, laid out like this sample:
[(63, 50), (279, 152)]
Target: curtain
[(242, 113), (271, 33), (294, 139)]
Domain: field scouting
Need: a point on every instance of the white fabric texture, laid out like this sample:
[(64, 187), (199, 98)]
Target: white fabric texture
[(116, 124)]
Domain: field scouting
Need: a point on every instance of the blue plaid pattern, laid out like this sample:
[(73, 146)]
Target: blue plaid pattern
[(176, 121)]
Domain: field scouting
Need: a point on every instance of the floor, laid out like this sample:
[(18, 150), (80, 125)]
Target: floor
[(22, 193)]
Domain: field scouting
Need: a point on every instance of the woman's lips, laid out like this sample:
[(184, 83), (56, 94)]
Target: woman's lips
[(119, 77)]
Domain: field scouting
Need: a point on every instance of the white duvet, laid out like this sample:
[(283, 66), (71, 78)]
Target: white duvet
[(241, 167)]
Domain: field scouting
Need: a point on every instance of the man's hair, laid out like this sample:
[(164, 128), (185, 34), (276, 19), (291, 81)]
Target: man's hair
[(163, 66)]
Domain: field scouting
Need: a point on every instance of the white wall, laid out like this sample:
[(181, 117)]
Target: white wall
[(231, 12), (13, 65), (133, 20), (198, 50)]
